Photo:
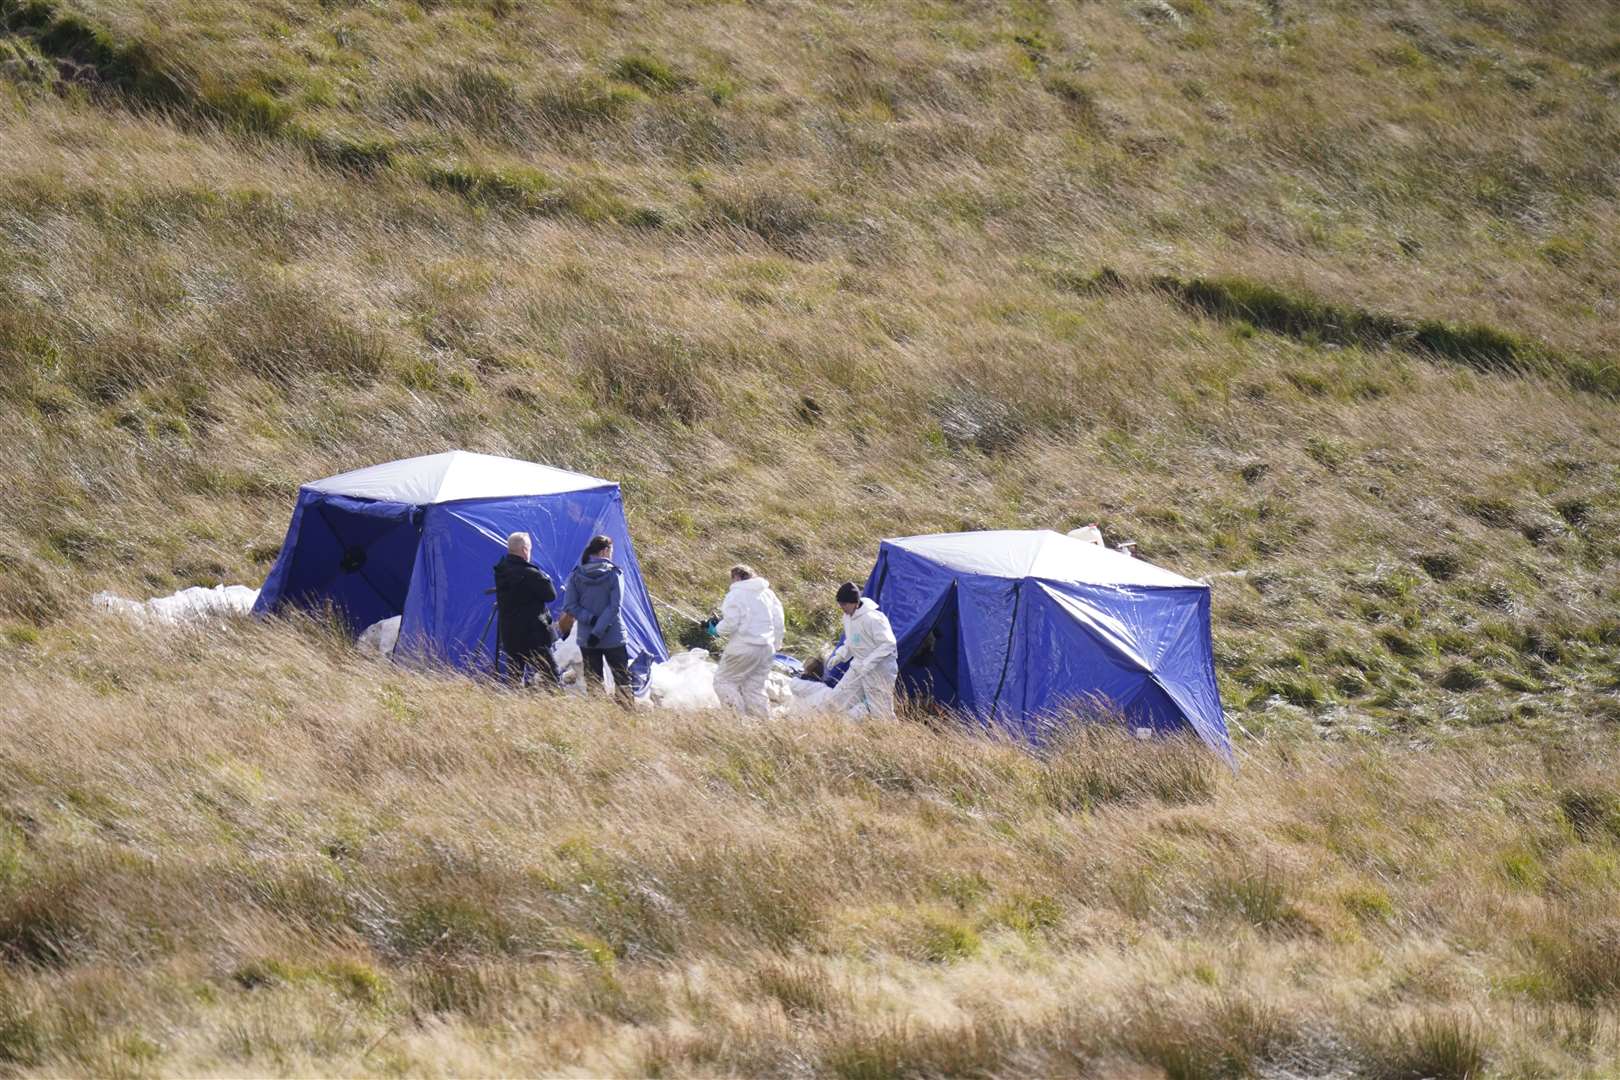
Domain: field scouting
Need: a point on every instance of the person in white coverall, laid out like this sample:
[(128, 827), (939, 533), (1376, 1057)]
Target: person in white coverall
[(751, 620), (867, 688)]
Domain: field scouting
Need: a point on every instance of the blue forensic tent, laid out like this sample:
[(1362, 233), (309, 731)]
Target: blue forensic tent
[(1011, 627), (419, 538)]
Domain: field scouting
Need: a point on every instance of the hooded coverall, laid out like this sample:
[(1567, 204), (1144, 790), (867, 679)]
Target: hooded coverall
[(751, 617), (867, 688)]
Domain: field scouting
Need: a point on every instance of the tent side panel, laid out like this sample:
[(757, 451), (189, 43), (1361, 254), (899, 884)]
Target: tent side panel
[(448, 615), (1168, 633), (275, 583), (354, 554), (1075, 658), (990, 676), (446, 611), (1186, 671)]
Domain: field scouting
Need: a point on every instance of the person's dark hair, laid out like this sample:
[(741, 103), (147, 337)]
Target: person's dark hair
[(597, 545), (848, 593)]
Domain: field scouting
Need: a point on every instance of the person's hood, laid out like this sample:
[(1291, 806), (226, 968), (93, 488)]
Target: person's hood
[(752, 585), (867, 604), (595, 569)]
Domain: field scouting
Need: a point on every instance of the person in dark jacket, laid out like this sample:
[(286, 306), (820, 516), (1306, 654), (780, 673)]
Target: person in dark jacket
[(593, 597), (522, 593)]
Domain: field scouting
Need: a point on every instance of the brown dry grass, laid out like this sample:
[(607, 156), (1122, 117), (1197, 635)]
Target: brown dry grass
[(247, 850)]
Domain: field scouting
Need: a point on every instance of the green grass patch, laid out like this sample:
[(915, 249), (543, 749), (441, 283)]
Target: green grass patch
[(346, 152), (648, 73), (1593, 813), (1462, 677), (1313, 320), (944, 940), (92, 52), (1368, 903), (515, 187)]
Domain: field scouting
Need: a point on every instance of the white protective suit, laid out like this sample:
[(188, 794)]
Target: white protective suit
[(751, 618), (806, 696), (867, 688)]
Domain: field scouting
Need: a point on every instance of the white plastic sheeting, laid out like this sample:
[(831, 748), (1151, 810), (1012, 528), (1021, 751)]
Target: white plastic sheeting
[(457, 474), (685, 681), (186, 605), (380, 637)]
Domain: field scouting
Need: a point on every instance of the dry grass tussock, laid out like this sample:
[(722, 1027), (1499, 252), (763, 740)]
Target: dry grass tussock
[(249, 850)]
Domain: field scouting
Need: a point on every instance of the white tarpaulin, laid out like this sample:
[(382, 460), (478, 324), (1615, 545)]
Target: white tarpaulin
[(183, 606)]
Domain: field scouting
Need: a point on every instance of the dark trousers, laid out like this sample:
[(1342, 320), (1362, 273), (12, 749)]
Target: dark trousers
[(618, 661), (531, 657)]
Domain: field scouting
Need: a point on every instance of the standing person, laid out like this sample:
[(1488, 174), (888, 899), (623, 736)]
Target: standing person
[(751, 618), (867, 688), (593, 597), (522, 593)]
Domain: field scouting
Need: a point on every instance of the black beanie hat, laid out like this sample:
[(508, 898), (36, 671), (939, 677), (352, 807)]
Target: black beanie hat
[(848, 593)]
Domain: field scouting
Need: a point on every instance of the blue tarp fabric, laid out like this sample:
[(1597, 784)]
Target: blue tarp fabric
[(418, 538), (1019, 628)]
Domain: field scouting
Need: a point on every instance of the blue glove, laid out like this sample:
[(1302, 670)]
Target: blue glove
[(709, 626)]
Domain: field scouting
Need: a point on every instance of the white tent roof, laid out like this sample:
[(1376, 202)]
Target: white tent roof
[(1016, 553), (454, 475)]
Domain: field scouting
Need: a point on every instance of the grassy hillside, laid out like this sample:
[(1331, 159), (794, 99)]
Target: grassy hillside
[(252, 852), (256, 852), (1316, 297)]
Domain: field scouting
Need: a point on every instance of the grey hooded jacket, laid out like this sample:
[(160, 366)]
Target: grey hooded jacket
[(593, 596)]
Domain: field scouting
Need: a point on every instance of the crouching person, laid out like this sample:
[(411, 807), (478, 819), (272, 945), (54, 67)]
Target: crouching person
[(751, 621), (867, 688), (522, 593)]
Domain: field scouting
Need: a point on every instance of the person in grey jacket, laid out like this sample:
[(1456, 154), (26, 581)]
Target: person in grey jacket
[(593, 596)]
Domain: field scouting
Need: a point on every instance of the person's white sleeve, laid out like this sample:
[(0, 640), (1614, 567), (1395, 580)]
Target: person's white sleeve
[(778, 623), (730, 615), (840, 654)]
